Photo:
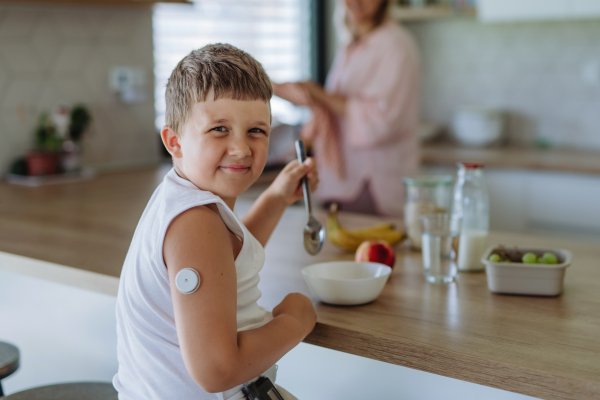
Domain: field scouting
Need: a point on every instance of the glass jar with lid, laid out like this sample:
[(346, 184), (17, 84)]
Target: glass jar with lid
[(425, 194)]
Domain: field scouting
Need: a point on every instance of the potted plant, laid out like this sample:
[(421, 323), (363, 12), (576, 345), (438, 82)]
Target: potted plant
[(79, 121), (57, 143), (43, 160)]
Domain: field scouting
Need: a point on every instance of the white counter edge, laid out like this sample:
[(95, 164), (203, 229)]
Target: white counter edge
[(93, 281)]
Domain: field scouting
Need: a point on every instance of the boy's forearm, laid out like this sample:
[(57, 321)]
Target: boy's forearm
[(261, 348), (269, 343), (264, 216)]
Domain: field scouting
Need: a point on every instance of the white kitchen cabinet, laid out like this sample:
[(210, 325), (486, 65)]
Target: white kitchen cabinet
[(583, 8), (508, 200), (521, 10), (536, 10), (554, 203), (565, 201)]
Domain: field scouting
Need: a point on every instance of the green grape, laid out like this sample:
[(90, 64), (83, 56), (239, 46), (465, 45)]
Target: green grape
[(494, 258), (550, 258), (541, 260), (529, 258)]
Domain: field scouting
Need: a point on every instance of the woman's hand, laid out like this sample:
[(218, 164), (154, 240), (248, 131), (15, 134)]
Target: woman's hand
[(308, 93), (287, 186), (300, 308), (314, 90), (294, 92), (317, 94)]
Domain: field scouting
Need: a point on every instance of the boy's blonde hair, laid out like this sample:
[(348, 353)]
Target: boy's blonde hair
[(220, 69)]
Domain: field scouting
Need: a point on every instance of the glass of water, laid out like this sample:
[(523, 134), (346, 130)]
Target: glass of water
[(440, 247)]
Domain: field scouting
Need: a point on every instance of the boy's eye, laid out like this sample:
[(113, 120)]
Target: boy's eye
[(257, 130), (219, 129)]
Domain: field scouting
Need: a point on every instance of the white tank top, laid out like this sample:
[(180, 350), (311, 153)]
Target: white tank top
[(150, 361)]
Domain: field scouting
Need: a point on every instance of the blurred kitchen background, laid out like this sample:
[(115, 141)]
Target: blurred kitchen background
[(514, 84), (535, 63)]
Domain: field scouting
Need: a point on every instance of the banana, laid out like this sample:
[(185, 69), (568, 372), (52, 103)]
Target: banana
[(350, 239), (386, 227)]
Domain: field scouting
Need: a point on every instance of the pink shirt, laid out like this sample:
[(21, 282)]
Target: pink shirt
[(380, 78)]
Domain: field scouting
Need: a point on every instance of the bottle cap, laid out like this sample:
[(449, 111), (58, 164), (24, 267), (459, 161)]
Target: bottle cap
[(470, 165)]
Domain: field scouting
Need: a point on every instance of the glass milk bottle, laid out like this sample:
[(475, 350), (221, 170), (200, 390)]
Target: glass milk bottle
[(472, 205)]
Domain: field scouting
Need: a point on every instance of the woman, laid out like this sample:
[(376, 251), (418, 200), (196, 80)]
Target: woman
[(365, 119)]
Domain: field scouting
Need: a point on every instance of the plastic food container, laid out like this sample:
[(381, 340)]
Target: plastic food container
[(527, 279)]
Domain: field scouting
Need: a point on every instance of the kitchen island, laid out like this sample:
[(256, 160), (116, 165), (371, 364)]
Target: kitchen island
[(542, 347)]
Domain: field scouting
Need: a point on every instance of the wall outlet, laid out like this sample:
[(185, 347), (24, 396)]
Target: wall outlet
[(129, 83)]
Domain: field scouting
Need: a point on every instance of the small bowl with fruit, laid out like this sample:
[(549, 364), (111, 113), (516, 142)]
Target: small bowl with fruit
[(528, 271)]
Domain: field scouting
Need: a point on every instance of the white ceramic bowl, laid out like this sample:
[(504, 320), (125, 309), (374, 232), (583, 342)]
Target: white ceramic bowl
[(478, 127), (528, 279), (346, 282)]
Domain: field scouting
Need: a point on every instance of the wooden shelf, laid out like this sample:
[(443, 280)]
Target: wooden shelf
[(560, 160), (112, 3), (404, 13)]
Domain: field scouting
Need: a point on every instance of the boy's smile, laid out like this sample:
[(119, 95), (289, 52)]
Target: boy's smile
[(236, 168), (223, 146)]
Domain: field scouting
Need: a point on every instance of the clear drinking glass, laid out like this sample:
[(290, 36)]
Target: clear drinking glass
[(439, 247), (425, 194)]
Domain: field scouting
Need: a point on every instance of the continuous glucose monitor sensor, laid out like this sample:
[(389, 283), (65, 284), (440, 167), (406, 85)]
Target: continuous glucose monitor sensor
[(187, 281)]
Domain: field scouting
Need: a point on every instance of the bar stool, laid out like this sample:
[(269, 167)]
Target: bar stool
[(9, 361), (69, 391)]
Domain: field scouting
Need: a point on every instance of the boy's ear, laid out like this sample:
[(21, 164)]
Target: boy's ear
[(171, 141)]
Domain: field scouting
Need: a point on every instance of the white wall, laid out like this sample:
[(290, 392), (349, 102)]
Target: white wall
[(545, 74), (62, 54)]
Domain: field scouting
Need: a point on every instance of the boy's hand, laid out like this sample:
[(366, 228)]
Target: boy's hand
[(299, 307), (287, 186)]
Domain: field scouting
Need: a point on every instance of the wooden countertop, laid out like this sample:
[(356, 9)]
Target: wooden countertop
[(542, 347), (86, 225), (560, 160)]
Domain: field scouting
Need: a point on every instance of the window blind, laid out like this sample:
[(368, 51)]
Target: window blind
[(275, 32)]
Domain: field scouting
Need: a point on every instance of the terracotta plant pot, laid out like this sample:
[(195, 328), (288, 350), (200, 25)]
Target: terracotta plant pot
[(41, 163)]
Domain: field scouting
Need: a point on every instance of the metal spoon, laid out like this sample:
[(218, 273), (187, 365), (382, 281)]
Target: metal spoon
[(314, 233)]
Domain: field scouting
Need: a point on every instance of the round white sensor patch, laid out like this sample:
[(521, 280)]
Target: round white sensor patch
[(187, 281)]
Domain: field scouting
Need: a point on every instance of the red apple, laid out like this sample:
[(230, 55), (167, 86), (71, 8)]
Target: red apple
[(378, 251)]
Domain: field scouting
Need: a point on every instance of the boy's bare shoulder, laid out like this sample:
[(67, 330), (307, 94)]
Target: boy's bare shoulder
[(196, 230), (200, 216)]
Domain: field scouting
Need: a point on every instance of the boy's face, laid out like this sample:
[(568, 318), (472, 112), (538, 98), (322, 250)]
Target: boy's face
[(224, 145)]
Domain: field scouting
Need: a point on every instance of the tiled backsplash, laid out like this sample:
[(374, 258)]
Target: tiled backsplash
[(63, 54), (545, 74)]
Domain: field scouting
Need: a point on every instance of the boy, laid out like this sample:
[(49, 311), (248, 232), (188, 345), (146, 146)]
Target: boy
[(206, 342)]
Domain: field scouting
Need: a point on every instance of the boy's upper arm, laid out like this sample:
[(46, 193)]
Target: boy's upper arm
[(206, 319)]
